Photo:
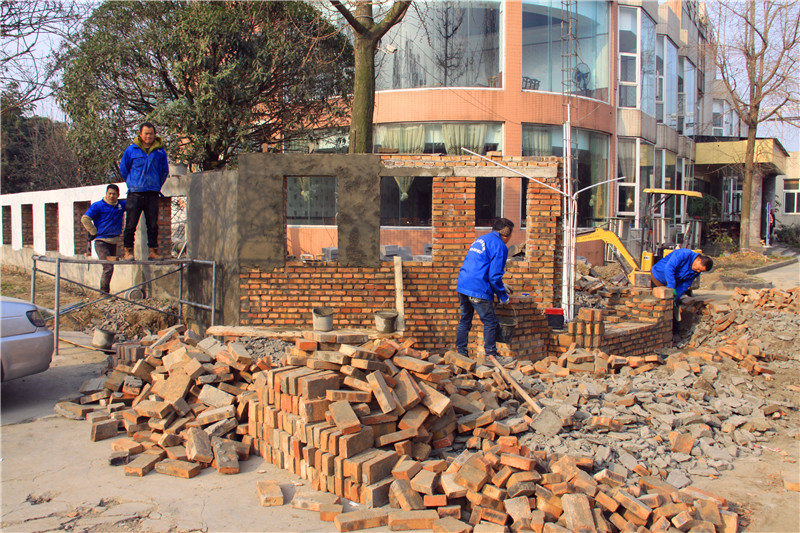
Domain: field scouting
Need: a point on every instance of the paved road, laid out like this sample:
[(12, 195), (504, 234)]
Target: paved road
[(54, 477)]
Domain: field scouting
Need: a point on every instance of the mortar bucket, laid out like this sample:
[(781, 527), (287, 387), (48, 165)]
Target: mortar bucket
[(386, 321), (103, 338), (505, 328), (322, 318)]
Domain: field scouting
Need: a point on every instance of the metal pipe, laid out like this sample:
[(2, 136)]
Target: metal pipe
[(33, 281), (213, 293), (180, 295), (57, 303)]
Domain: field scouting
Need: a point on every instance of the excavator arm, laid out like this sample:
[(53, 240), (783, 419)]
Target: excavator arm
[(623, 257)]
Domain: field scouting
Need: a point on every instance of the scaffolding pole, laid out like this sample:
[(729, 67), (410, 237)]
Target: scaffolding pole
[(179, 265)]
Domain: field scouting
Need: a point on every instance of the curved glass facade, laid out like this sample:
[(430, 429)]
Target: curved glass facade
[(590, 165), (438, 138), (442, 44), (541, 47)]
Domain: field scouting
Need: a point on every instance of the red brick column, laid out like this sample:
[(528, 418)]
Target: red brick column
[(453, 216), (51, 227)]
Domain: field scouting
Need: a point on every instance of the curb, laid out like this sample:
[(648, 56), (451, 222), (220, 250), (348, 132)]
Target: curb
[(773, 266)]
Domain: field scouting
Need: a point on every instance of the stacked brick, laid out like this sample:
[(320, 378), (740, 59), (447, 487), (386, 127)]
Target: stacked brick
[(182, 406), (636, 322), (384, 423), (577, 360)]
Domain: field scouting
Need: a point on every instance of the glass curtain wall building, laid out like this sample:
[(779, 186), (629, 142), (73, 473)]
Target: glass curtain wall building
[(488, 76)]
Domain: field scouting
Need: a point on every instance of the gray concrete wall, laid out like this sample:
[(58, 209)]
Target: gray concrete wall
[(213, 235), (237, 218)]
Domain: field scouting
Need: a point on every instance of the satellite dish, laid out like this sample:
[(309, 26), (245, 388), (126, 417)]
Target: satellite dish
[(582, 77)]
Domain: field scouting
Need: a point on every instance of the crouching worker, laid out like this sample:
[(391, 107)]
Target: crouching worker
[(677, 271), (103, 221), (479, 280)]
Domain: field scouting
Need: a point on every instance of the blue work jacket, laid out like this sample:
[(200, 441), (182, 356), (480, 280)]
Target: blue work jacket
[(675, 270), (107, 218), (144, 170), (481, 275)]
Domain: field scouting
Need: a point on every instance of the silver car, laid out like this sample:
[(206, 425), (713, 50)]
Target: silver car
[(26, 344)]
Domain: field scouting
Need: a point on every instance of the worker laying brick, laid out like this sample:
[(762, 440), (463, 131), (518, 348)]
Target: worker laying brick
[(479, 280), (677, 271)]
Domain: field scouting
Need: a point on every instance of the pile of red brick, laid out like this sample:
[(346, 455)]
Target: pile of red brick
[(383, 423), (180, 400), (378, 423)]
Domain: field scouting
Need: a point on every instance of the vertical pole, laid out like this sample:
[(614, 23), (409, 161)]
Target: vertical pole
[(180, 295), (57, 302), (213, 293), (33, 281)]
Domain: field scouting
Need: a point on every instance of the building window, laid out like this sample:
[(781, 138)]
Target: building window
[(589, 167), (446, 138), (791, 197), (637, 60), (324, 141), (626, 168), (666, 81), (442, 44), (717, 113), (488, 200), (311, 200), (690, 98), (541, 48), (406, 200), (628, 56)]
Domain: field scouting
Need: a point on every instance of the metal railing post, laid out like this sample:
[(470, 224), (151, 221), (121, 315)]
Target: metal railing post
[(33, 282), (180, 295), (57, 304), (213, 293)]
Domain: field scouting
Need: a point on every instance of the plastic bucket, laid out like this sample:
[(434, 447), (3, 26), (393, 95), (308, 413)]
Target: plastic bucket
[(386, 321), (103, 338), (322, 318), (555, 317), (505, 328)]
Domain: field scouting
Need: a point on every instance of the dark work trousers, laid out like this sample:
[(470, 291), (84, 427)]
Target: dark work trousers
[(138, 202), (485, 309), (103, 250)]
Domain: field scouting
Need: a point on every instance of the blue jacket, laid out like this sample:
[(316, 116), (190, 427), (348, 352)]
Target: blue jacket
[(481, 275), (144, 171), (107, 218), (675, 270)]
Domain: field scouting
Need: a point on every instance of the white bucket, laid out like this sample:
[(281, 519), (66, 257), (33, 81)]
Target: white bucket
[(322, 318)]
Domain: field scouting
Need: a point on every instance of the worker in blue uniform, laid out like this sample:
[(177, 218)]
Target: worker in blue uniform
[(479, 281)]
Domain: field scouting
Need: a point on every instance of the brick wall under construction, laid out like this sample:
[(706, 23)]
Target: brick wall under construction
[(263, 287)]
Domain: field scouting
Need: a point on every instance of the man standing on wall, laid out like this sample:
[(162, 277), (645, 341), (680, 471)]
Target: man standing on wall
[(479, 280), (144, 168), (103, 221)]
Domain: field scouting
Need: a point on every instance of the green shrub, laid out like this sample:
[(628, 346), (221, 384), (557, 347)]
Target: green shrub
[(788, 234)]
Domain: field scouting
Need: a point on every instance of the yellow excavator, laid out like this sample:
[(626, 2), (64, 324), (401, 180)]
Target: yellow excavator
[(638, 272)]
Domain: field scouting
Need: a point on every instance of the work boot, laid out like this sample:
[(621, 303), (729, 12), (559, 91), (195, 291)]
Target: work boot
[(128, 255), (153, 255)]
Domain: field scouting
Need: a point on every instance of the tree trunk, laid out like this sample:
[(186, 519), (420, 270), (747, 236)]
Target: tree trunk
[(363, 96), (746, 237)]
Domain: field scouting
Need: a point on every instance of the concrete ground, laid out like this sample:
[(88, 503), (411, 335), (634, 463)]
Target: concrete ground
[(54, 478)]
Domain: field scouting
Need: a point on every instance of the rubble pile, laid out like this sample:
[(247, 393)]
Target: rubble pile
[(582, 441), (753, 328), (128, 320)]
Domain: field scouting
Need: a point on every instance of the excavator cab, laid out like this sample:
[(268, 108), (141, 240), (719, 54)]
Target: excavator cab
[(638, 269)]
